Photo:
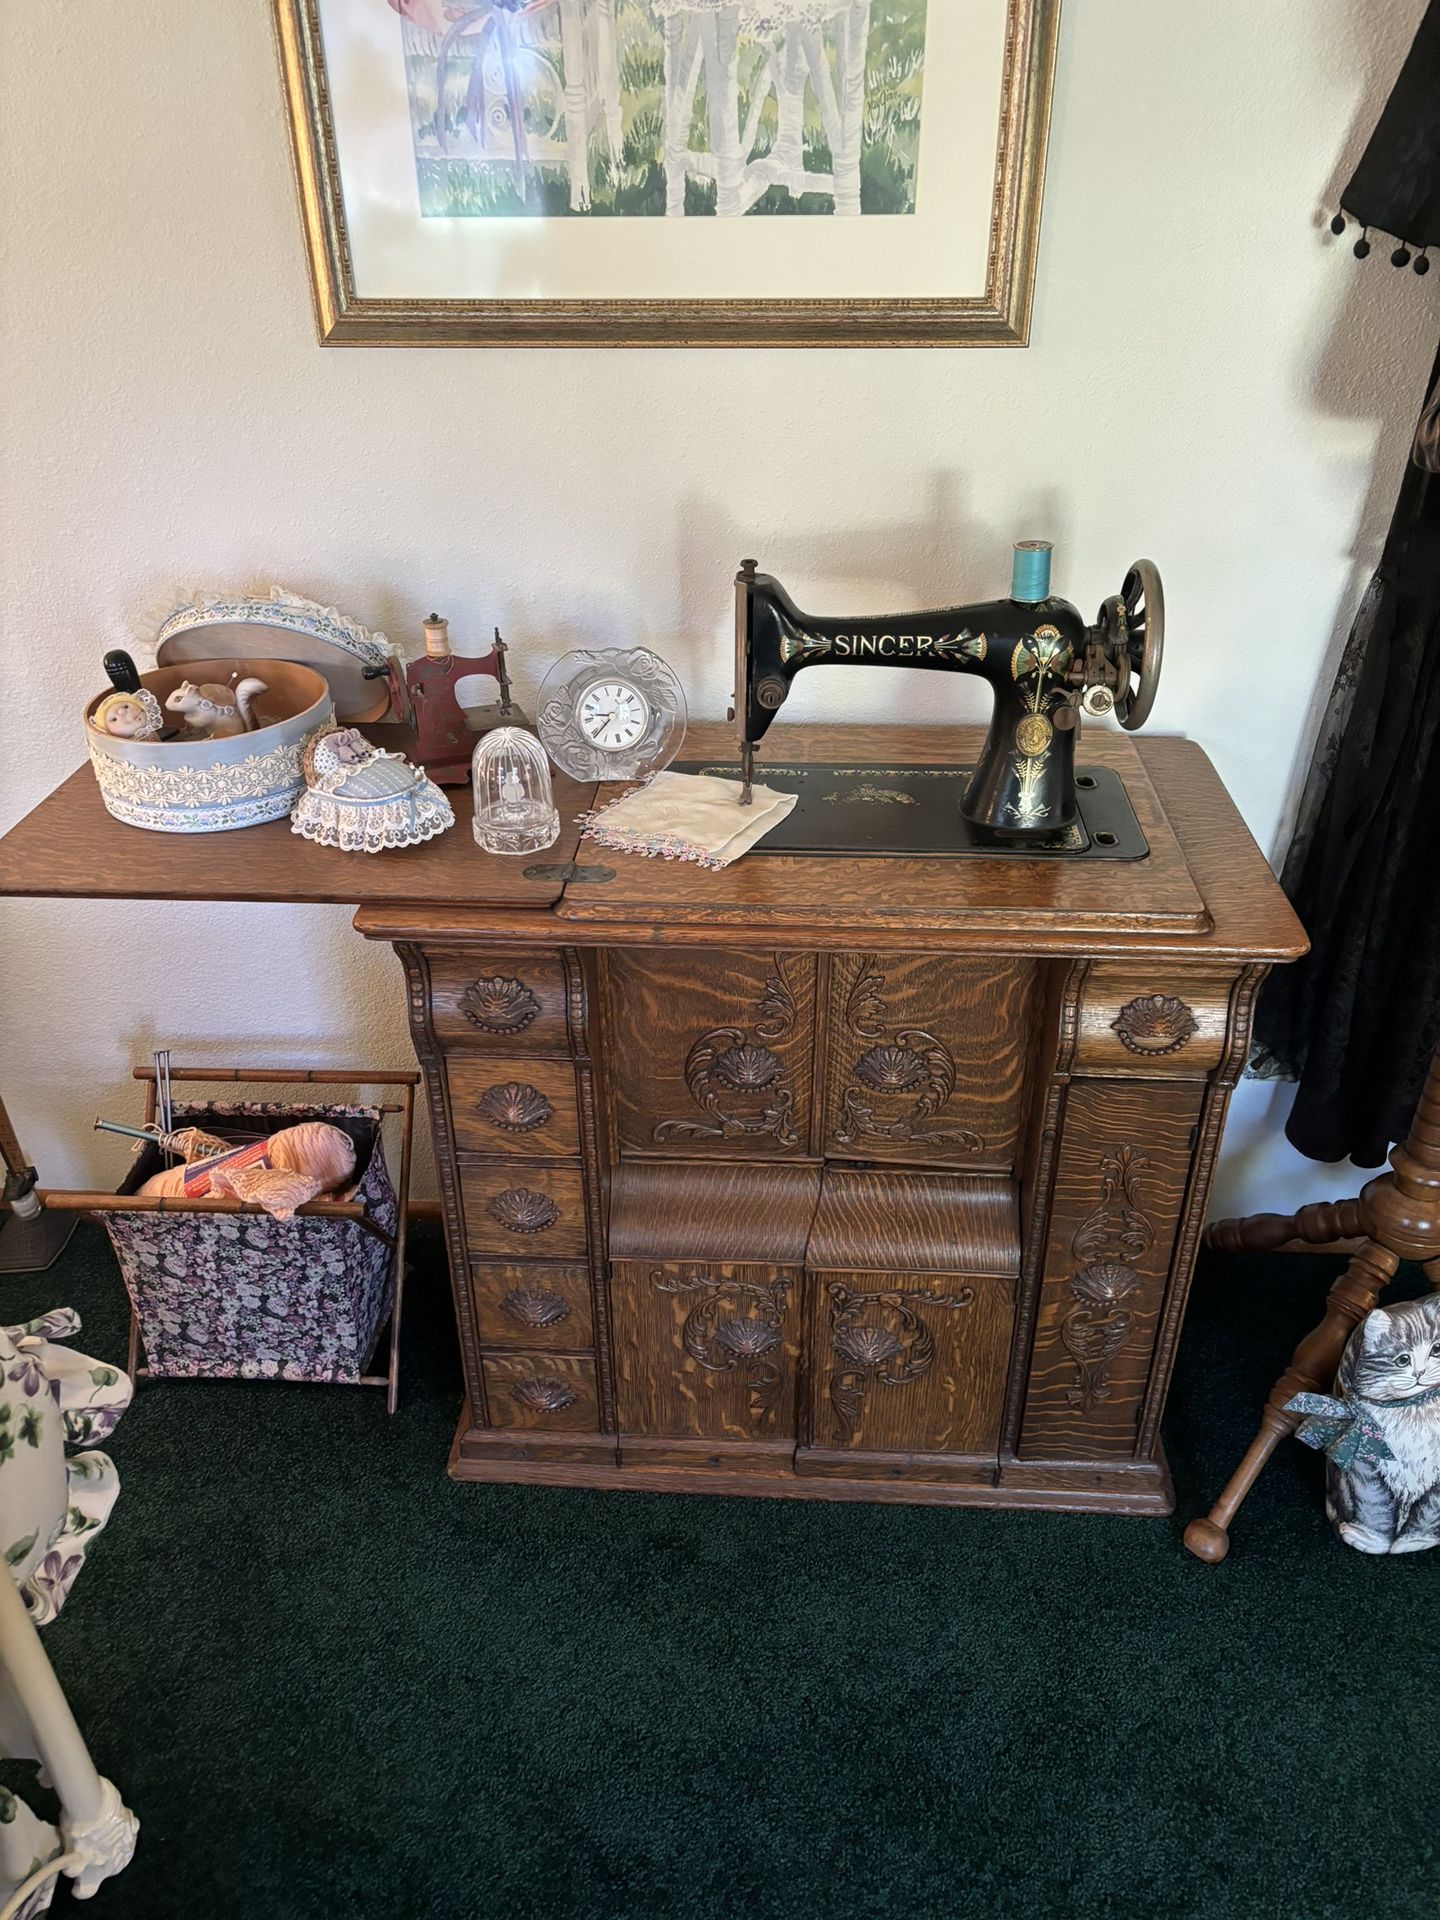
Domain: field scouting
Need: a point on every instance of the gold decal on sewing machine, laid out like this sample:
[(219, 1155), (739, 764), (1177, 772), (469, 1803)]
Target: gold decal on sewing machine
[(1045, 652), (898, 646), (812, 646), (1033, 735)]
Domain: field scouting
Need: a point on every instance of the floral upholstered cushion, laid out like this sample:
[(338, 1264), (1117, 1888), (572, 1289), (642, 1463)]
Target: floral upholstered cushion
[(52, 1504)]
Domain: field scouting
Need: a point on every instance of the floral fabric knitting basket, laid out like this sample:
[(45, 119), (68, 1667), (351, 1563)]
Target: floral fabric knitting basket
[(242, 1296), (312, 665)]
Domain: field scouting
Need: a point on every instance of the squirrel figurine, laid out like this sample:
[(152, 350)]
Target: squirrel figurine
[(217, 711)]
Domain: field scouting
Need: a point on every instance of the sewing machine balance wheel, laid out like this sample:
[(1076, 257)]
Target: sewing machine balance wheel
[(1137, 621)]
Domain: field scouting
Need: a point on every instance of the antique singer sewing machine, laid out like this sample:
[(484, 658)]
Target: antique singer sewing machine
[(1046, 668)]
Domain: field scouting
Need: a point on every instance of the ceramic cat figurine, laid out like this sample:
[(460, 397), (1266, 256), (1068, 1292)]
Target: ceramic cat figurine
[(1381, 1431)]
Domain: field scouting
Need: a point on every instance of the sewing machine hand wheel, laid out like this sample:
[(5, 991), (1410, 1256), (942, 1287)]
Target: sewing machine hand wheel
[(1135, 623)]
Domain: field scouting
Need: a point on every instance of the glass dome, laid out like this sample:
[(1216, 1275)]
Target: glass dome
[(514, 808)]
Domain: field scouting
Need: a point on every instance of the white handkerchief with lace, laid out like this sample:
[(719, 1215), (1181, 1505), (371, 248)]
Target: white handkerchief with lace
[(688, 816)]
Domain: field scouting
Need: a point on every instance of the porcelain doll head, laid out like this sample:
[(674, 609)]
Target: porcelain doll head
[(332, 751), (125, 716)]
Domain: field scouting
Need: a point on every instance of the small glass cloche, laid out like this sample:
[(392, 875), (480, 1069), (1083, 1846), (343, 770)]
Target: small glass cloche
[(514, 808)]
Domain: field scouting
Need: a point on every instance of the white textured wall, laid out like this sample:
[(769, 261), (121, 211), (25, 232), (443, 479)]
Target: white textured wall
[(1211, 381)]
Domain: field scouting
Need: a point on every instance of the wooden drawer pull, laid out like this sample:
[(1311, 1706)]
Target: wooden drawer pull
[(543, 1394), (514, 1107), (519, 1210), (1154, 1024), (533, 1307), (499, 1004)]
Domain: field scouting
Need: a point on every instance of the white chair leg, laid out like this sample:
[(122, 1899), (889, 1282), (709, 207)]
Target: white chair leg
[(98, 1828)]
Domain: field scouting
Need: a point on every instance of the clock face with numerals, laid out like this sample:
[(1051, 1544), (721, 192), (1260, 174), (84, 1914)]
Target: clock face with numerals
[(614, 715)]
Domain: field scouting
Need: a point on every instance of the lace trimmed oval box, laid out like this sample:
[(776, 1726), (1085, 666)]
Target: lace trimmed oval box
[(211, 786)]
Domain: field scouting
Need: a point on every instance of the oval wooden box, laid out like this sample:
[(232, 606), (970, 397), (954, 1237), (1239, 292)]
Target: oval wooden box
[(212, 786)]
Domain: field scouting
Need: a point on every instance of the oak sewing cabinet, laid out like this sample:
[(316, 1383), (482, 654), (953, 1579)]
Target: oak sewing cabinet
[(818, 1177)]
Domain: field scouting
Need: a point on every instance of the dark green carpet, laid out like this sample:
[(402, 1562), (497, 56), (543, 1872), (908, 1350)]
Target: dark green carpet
[(332, 1683)]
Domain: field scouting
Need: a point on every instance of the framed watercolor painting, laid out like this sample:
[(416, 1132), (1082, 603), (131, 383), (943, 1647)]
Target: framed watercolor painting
[(670, 172)]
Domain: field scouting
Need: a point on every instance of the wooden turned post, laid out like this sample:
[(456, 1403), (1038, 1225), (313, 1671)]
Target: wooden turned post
[(1317, 1224), (1399, 1213)]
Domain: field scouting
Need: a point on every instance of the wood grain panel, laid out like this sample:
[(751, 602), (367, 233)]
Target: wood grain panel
[(905, 1364), (1156, 1019), (917, 1222), (737, 1211), (510, 1001), (1124, 1163), (549, 1392), (706, 1352), (774, 1459), (532, 1304), (927, 1056), (514, 1106), (535, 1209), (710, 1051)]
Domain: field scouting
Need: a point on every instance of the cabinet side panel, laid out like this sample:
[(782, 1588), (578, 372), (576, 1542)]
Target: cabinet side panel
[(1121, 1180)]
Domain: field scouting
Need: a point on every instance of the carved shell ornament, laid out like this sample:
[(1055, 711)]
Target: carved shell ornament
[(499, 1004), (544, 1394), (747, 1066), (746, 1337), (892, 1069), (1154, 1024), (519, 1210), (533, 1307), (514, 1108), (1103, 1283), (867, 1346)]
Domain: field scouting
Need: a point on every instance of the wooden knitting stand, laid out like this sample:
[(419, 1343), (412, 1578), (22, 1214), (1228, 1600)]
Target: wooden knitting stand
[(1397, 1217)]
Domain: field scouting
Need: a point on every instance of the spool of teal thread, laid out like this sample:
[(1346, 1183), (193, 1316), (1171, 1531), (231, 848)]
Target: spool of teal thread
[(1030, 571)]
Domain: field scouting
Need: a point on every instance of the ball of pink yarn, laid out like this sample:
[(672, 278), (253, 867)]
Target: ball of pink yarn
[(317, 1149)]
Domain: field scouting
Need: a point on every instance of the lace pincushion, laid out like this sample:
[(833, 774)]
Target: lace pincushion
[(362, 799)]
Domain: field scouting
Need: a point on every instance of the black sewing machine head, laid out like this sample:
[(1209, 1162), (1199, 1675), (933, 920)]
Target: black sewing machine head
[(1045, 665)]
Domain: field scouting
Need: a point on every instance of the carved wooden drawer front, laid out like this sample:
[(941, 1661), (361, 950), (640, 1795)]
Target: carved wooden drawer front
[(525, 1107), (709, 1352), (532, 1305), (513, 1210), (554, 1392), (1152, 1020), (710, 1053), (907, 1363), (1123, 1170), (510, 1001), (926, 1058)]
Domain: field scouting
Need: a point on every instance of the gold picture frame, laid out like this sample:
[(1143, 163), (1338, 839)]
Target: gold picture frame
[(999, 317)]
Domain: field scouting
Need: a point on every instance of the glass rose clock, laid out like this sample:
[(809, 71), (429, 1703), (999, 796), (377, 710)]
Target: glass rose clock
[(614, 714)]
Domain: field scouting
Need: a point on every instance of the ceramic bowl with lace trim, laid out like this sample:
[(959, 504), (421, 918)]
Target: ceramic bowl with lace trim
[(210, 786)]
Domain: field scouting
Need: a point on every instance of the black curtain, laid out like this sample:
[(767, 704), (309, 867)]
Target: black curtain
[(1356, 1020)]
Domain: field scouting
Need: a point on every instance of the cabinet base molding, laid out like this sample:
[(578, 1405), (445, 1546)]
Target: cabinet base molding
[(1140, 1489)]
